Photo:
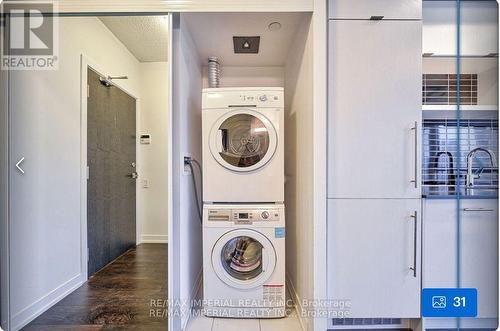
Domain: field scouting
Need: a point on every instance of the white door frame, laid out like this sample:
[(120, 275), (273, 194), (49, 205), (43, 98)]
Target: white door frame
[(85, 63), (172, 241), (5, 167)]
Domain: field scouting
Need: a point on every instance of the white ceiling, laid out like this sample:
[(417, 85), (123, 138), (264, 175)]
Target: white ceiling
[(146, 37), (213, 36)]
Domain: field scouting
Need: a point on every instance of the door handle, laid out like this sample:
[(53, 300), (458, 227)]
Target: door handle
[(415, 156), (414, 267), (477, 209), (218, 141), (133, 175), (264, 259)]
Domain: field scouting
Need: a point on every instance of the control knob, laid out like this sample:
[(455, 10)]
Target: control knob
[(265, 215), (263, 98)]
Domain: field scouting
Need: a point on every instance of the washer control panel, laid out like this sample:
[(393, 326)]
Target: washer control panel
[(244, 215)]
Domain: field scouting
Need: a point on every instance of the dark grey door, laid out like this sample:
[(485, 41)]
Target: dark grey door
[(111, 214)]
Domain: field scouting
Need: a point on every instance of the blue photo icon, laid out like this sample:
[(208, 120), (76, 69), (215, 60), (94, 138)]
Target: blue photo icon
[(449, 302), (439, 302)]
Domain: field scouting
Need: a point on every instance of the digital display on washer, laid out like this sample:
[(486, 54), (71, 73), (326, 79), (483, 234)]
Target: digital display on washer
[(243, 216)]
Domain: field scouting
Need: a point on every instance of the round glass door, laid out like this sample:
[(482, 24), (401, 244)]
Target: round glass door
[(243, 140), (243, 258)]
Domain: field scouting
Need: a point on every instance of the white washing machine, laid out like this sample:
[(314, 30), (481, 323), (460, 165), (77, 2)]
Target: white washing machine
[(244, 261), (243, 145)]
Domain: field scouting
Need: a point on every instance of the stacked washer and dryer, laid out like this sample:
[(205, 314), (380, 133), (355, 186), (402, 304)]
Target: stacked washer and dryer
[(243, 195)]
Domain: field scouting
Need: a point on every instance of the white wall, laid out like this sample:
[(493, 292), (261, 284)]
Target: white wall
[(45, 201), (299, 171), (186, 116), (4, 199), (153, 159), (235, 76)]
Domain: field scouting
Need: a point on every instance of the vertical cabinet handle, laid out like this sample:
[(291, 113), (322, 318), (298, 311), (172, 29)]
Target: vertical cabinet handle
[(414, 267), (415, 156), (477, 209)]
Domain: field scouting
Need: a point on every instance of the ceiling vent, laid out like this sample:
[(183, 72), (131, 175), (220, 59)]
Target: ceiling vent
[(246, 45)]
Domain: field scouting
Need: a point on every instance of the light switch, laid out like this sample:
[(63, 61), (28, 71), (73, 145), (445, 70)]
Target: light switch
[(145, 183), (145, 139)]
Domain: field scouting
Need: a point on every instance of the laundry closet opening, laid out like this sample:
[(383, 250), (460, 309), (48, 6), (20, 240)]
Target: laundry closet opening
[(257, 163)]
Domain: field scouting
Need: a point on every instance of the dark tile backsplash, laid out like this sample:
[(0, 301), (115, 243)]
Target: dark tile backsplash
[(441, 156)]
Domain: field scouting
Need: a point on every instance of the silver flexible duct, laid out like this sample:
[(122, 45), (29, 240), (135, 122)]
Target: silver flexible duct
[(213, 72)]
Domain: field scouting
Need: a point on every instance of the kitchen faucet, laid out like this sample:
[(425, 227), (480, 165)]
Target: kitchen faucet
[(450, 181), (470, 158)]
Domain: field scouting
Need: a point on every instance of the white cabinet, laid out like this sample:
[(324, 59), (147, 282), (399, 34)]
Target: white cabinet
[(375, 79), (364, 9), (478, 31), (373, 247), (478, 248)]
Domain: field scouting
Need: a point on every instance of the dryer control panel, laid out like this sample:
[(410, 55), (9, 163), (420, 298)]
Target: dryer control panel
[(243, 97), (244, 215)]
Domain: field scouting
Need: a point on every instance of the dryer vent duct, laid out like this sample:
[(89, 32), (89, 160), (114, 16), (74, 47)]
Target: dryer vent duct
[(213, 72)]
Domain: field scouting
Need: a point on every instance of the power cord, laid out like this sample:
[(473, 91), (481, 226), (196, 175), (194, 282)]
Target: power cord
[(189, 162)]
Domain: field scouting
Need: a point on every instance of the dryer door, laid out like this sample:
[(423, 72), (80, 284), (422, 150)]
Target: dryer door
[(244, 258), (243, 140)]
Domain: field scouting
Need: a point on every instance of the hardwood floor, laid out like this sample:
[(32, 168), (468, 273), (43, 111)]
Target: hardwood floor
[(128, 294)]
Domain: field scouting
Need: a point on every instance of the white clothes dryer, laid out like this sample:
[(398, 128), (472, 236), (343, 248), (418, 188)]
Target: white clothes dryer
[(243, 145)]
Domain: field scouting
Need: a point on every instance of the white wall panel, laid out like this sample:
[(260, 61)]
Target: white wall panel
[(4, 200), (319, 97), (46, 233), (153, 160)]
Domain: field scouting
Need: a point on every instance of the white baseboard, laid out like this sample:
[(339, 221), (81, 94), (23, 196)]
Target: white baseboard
[(28, 314), (298, 304), (154, 239)]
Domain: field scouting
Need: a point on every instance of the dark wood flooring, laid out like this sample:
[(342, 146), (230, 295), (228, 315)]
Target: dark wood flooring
[(128, 294)]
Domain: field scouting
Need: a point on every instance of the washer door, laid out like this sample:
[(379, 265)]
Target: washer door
[(243, 258), (243, 140)]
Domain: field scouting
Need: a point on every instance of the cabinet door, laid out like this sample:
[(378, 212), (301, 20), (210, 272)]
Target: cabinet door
[(375, 97), (479, 253), (478, 250), (364, 9), (373, 247), (478, 28)]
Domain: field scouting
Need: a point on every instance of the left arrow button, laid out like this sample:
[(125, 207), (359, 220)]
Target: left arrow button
[(18, 165)]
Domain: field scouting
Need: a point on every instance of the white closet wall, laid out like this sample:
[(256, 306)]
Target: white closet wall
[(299, 170), (185, 241), (236, 76)]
